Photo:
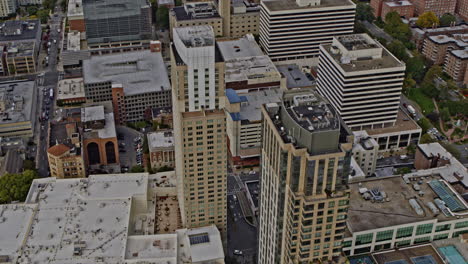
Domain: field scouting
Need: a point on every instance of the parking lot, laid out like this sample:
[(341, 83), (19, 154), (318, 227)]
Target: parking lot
[(127, 151)]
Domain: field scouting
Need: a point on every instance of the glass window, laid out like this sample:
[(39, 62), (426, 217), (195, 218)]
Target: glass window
[(404, 232), (443, 227), (424, 229), (422, 239), (461, 224), (364, 239), (384, 235)]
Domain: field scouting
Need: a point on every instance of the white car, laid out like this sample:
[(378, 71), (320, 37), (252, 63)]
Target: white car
[(237, 252)]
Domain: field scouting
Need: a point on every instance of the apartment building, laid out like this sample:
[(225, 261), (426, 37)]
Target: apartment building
[(197, 73), (117, 20), (419, 207), (365, 152), (462, 9), (306, 154), (403, 8), (294, 29), (66, 162), (362, 80), (8, 7), (420, 34), (71, 92), (161, 149), (455, 65), (438, 7), (75, 16), (435, 48), (135, 82), (229, 18)]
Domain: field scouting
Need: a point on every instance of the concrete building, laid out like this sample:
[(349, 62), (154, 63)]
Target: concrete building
[(455, 65), (116, 20), (104, 218), (403, 8), (20, 41), (66, 162), (161, 149), (71, 92), (365, 152), (306, 154), (294, 29), (135, 82), (229, 18), (197, 72), (8, 7), (420, 34), (244, 124), (417, 208), (18, 108), (438, 7), (75, 15), (99, 137), (435, 48), (295, 77), (362, 80)]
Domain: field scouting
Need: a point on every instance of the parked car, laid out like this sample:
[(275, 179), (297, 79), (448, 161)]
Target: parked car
[(238, 252)]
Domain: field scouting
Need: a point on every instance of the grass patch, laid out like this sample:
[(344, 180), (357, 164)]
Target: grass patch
[(425, 102)]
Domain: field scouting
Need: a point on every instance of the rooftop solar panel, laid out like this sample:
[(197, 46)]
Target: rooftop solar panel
[(199, 239), (445, 194)]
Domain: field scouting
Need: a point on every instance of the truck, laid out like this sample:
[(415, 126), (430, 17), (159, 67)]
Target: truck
[(411, 110)]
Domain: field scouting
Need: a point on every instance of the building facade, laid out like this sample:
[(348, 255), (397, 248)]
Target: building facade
[(435, 48), (304, 195), (161, 149), (294, 29), (462, 9), (436, 6), (7, 7), (455, 66), (65, 162), (362, 80), (403, 8), (365, 152), (197, 74)]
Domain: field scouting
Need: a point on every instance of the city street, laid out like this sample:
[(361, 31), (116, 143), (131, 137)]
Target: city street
[(47, 79)]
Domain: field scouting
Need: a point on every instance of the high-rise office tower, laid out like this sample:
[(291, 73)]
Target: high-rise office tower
[(362, 80), (294, 29), (306, 154), (197, 72)]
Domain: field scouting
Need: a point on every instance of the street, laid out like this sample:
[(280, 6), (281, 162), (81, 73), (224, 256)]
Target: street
[(47, 80)]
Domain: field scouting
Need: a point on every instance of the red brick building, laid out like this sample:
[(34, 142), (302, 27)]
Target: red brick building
[(462, 9), (439, 7), (404, 8)]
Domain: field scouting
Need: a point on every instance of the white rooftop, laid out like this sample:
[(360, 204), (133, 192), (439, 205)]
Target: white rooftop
[(70, 88), (200, 245), (138, 72), (251, 109), (75, 8), (95, 220), (162, 139), (73, 41), (195, 36), (239, 48), (251, 69), (92, 113), (398, 3)]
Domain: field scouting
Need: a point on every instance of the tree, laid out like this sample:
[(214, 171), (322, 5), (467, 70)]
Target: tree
[(452, 149), (445, 114), (434, 117), (447, 20), (411, 149), (427, 19), (364, 12), (403, 170), (29, 165), (398, 49), (162, 17), (424, 124), (426, 138), (433, 72), (137, 168), (396, 28), (416, 67), (43, 15), (15, 187), (408, 83), (430, 90), (32, 10)]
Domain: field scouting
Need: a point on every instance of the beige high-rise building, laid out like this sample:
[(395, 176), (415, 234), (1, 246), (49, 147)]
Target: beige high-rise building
[(199, 127), (66, 162), (306, 155)]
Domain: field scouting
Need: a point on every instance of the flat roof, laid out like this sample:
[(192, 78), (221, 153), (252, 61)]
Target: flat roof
[(251, 69), (395, 209), (194, 11), (283, 5), (252, 102), (14, 30), (70, 88), (17, 99), (462, 54), (425, 254), (107, 9), (398, 3), (200, 244), (295, 78), (196, 36), (13, 225), (403, 123), (239, 48), (162, 139), (75, 8), (92, 113), (162, 247), (139, 71), (74, 41)]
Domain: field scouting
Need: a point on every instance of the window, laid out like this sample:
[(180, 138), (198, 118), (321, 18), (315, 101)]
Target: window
[(443, 227), (422, 239), (384, 235), (424, 229), (404, 232), (461, 224), (364, 239)]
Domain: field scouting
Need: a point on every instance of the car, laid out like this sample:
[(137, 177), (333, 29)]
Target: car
[(58, 30), (238, 252), (55, 41)]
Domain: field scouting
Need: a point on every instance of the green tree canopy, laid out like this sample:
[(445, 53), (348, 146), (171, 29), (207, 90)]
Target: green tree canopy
[(32, 10), (15, 187), (364, 12), (426, 138), (398, 49), (416, 67), (447, 19), (433, 72), (162, 17), (427, 19), (137, 168), (43, 15), (396, 28)]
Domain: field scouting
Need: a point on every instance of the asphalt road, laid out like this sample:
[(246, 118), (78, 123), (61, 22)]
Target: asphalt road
[(128, 158), (47, 81)]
